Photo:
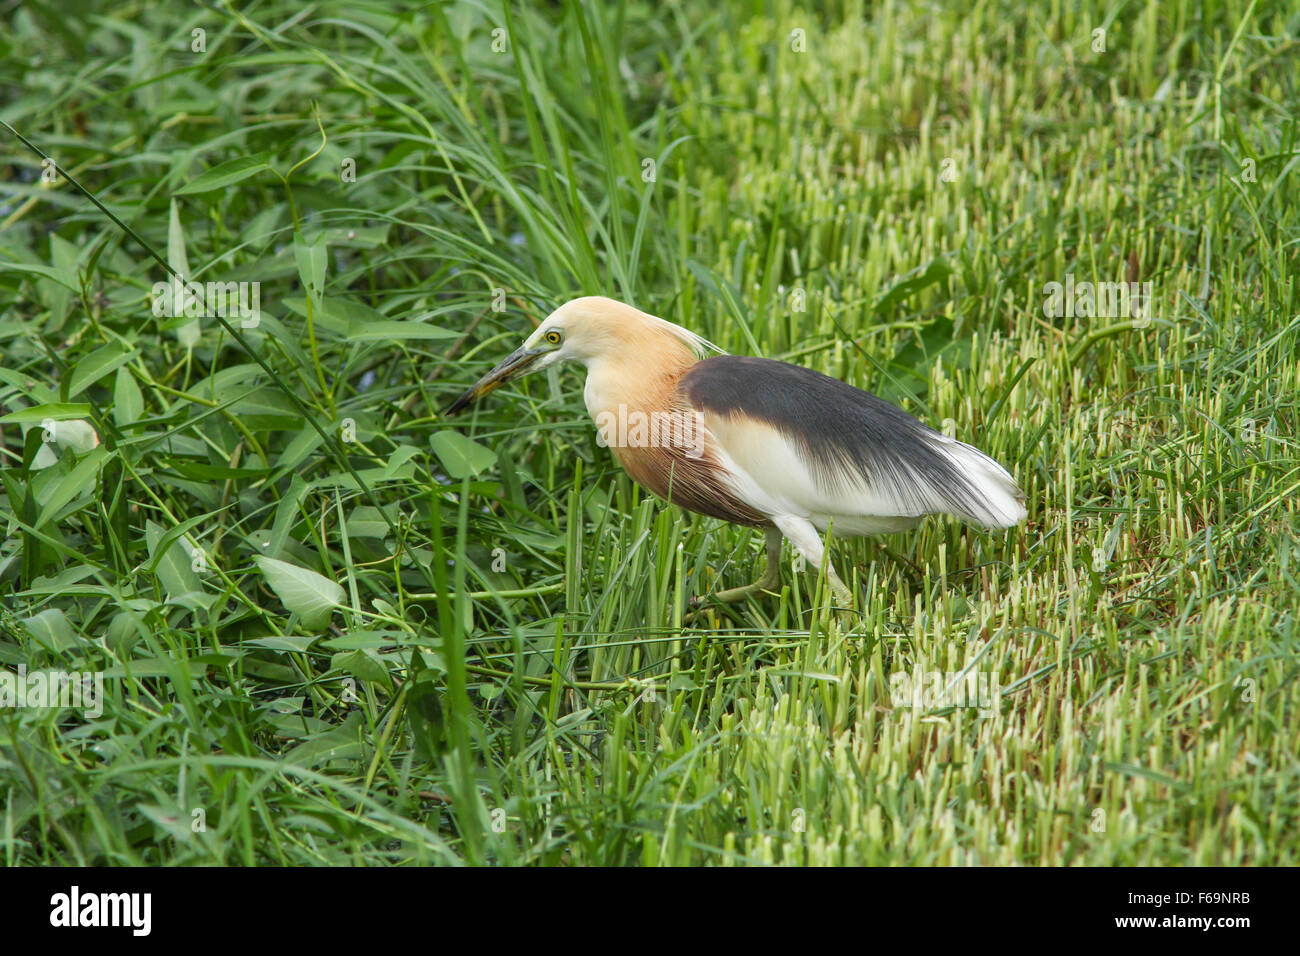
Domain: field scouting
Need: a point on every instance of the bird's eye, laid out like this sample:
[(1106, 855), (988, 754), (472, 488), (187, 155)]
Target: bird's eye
[(553, 337)]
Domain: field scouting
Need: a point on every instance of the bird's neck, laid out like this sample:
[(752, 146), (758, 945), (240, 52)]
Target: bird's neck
[(641, 377)]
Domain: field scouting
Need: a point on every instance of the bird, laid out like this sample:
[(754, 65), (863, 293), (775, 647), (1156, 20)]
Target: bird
[(756, 441)]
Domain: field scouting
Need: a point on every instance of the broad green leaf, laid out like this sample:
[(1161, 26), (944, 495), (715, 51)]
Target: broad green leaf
[(173, 563), (366, 639), (45, 272), (343, 312), (360, 665), (80, 480), (176, 257), (936, 271), (52, 629), (225, 174), (400, 456), (232, 381), (293, 643), (96, 365), (304, 443), (286, 516), (363, 237), (128, 402), (369, 477), (461, 457), (304, 592), (329, 315), (56, 411), (340, 743), (267, 408), (124, 630), (143, 667), (312, 258), (171, 820), (65, 257), (366, 522), (204, 471), (424, 708), (396, 331)]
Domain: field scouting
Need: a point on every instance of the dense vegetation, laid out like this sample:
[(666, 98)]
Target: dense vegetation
[(477, 644)]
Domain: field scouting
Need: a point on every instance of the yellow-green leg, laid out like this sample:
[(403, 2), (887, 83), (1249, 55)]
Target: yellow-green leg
[(839, 590), (771, 579)]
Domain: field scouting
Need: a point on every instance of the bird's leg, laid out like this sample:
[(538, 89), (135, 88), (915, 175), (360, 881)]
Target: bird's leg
[(771, 579), (804, 536), (839, 589)]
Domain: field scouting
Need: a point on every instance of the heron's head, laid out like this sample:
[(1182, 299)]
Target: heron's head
[(585, 330)]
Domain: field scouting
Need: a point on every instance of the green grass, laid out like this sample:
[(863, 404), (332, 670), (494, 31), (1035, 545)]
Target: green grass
[(511, 677)]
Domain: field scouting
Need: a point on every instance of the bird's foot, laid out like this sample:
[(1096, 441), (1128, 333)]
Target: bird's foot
[(842, 596), (733, 595), (769, 583)]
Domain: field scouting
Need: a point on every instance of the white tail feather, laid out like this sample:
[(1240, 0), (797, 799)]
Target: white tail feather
[(1003, 501)]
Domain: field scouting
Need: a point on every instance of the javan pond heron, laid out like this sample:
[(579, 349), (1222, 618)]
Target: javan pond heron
[(755, 441)]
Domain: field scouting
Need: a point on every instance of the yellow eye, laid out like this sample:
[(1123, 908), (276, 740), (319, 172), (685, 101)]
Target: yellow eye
[(553, 337)]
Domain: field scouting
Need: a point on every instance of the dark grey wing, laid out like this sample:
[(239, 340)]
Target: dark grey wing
[(864, 455)]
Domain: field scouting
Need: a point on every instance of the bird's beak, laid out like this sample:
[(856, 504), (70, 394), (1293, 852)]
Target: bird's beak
[(513, 366)]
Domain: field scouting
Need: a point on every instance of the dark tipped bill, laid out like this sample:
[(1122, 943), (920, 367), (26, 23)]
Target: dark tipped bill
[(514, 365)]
